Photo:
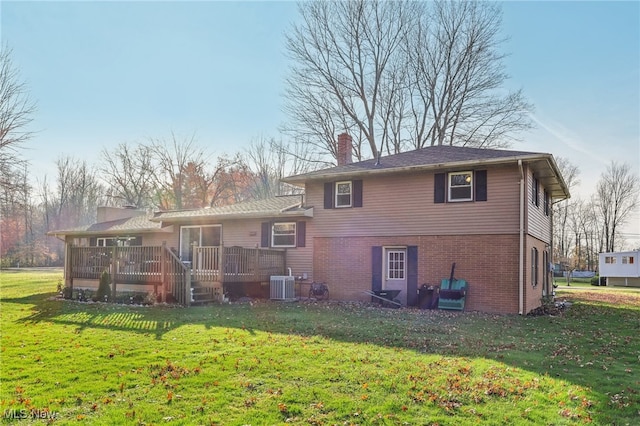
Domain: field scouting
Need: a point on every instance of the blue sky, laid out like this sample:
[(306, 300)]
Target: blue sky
[(104, 73)]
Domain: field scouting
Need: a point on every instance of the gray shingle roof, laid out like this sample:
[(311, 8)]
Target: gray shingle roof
[(429, 157), (443, 158), (137, 224), (289, 205)]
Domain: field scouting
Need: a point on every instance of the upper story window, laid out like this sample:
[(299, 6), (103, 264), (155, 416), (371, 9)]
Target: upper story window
[(344, 192), (283, 234), (627, 260), (535, 192), (609, 259), (461, 186)]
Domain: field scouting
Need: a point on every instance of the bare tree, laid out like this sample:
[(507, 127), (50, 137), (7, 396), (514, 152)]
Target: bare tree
[(184, 177), (268, 161), (617, 194), (16, 112), (400, 75), (562, 210), (341, 55), (128, 174), (172, 158), (458, 68)]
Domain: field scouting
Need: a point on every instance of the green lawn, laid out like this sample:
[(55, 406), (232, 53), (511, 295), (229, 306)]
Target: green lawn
[(303, 363)]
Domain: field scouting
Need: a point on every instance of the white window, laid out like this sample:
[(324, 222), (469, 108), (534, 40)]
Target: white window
[(396, 264), (609, 259), (116, 241), (344, 192), (460, 186), (627, 260), (284, 234)]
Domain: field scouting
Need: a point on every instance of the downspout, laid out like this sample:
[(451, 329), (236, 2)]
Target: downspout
[(521, 256)]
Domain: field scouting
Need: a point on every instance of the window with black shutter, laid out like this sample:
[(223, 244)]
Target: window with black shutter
[(343, 194), (460, 186)]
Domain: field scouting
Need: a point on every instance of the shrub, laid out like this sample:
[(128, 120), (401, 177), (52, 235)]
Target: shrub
[(104, 288), (597, 281)]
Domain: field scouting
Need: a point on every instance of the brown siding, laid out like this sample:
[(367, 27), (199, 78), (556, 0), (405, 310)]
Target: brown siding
[(488, 262), (156, 239), (246, 233), (403, 205), (538, 224)]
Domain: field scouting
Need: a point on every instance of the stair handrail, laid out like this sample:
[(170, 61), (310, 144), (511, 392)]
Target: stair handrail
[(183, 297)]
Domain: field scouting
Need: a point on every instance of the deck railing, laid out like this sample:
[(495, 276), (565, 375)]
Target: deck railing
[(159, 266), (206, 263), (237, 264), (177, 278), (156, 265)]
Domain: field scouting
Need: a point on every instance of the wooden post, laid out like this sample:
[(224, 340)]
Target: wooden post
[(163, 271), (187, 287), (114, 271), (221, 265), (256, 267), (68, 267)]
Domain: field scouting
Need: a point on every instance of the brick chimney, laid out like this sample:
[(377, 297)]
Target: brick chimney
[(344, 149)]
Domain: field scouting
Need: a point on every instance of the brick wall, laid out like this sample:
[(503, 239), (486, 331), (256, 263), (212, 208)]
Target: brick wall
[(489, 263)]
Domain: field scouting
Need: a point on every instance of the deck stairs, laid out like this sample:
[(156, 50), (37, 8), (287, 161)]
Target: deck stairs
[(203, 295)]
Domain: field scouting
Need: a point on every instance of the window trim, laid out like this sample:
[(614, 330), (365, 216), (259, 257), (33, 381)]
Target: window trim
[(470, 186), (295, 235), (401, 272), (336, 194), (628, 260), (611, 260)]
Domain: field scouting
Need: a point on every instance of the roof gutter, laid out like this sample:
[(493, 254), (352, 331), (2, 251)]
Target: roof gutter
[(521, 256)]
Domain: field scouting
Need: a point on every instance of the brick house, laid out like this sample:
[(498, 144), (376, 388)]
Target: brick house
[(401, 221), (391, 223)]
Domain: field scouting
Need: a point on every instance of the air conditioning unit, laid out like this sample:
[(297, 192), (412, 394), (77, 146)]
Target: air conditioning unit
[(283, 287)]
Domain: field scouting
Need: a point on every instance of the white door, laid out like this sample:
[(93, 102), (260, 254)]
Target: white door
[(395, 272)]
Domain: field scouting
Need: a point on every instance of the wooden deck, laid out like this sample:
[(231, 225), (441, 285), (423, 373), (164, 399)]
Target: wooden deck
[(159, 266)]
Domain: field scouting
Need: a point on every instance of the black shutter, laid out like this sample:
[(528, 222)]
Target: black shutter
[(137, 241), (547, 203), (301, 233), (93, 241), (328, 195), (357, 193), (481, 185), (412, 276), (439, 188), (376, 269), (265, 234)]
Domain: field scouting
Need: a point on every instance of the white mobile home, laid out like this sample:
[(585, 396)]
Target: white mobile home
[(621, 268)]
